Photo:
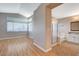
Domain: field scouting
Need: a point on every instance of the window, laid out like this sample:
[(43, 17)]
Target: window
[(16, 26), (9, 26), (25, 27), (13, 25), (30, 27), (30, 24)]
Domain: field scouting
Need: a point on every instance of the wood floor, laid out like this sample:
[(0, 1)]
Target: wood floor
[(24, 47), (65, 49)]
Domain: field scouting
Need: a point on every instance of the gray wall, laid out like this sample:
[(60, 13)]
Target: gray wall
[(39, 25), (3, 27)]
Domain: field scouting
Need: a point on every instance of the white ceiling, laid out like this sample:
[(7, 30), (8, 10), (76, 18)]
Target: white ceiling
[(28, 9), (9, 7), (25, 9), (65, 10)]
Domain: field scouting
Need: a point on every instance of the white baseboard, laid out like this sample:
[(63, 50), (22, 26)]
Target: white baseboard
[(11, 37), (73, 42), (48, 49), (42, 48), (53, 45)]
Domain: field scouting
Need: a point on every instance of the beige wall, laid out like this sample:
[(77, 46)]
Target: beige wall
[(64, 29)]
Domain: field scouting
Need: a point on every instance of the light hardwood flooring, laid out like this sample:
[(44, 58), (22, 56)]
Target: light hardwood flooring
[(15, 47), (65, 49), (24, 47)]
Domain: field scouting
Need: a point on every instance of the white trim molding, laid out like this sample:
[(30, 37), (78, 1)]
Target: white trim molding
[(53, 45), (11, 37), (44, 50)]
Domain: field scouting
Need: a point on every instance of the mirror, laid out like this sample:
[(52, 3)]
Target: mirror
[(74, 26)]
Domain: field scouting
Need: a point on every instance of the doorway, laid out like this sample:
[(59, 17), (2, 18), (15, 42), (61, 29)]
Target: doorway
[(51, 28), (54, 27)]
